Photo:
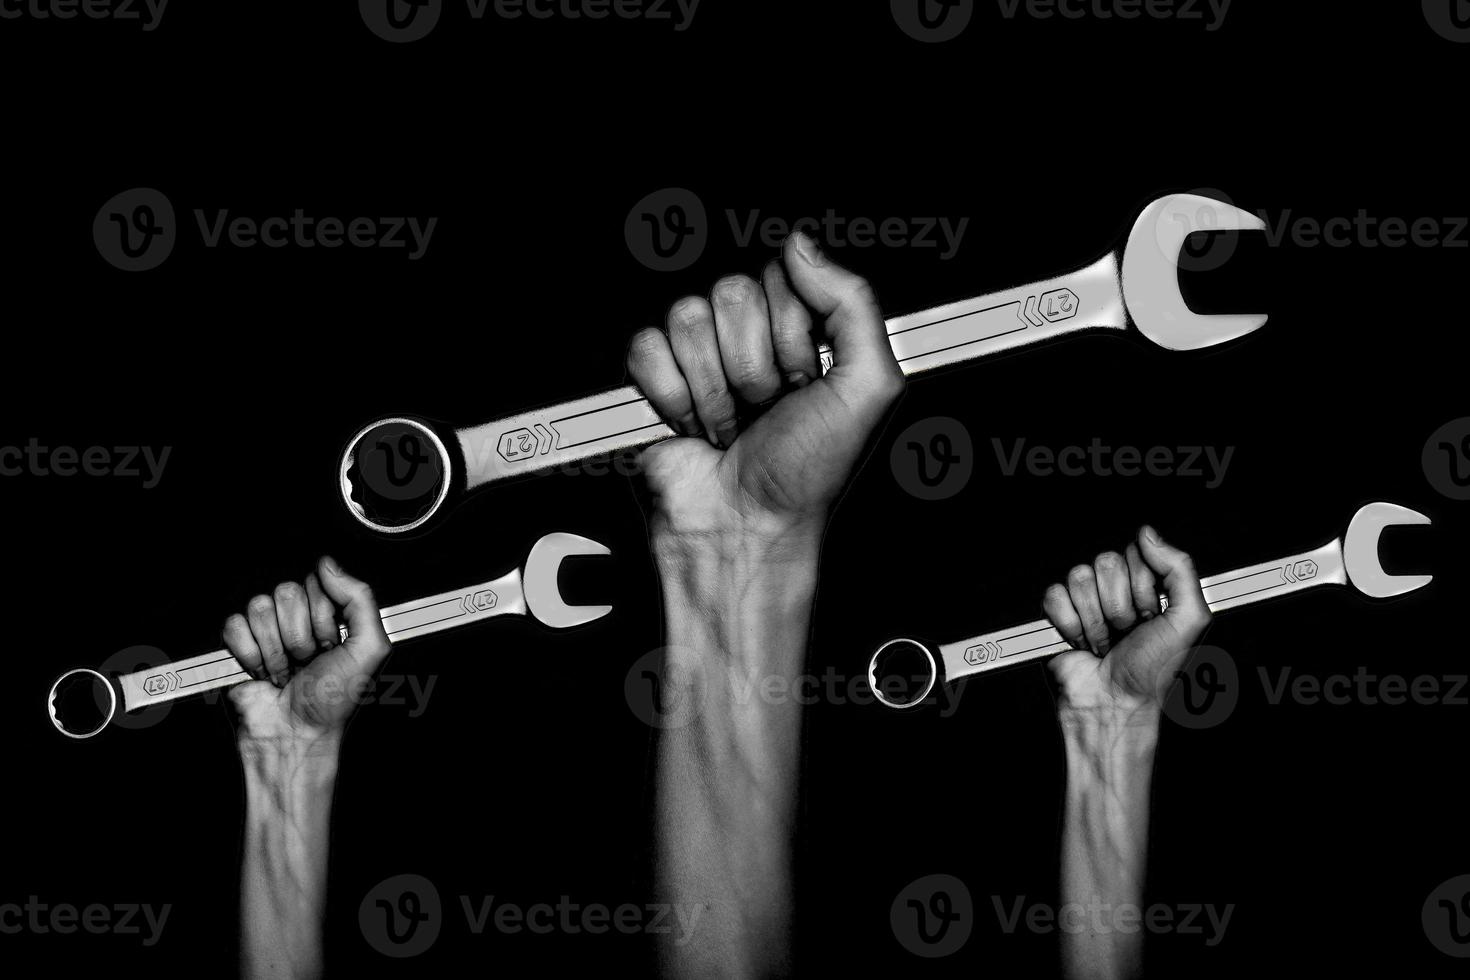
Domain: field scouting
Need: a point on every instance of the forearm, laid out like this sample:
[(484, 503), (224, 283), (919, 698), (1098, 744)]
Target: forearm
[(738, 614), (1110, 758), (283, 880)]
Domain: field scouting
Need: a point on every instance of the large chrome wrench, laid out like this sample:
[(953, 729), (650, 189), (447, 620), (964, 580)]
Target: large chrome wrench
[(533, 592), (1136, 284), (1342, 561)]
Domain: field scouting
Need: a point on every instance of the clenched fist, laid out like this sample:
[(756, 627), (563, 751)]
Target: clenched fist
[(1128, 651), (770, 441), (307, 683)]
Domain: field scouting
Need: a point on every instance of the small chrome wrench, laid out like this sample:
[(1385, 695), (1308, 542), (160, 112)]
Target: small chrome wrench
[(533, 592), (1341, 561), (396, 473)]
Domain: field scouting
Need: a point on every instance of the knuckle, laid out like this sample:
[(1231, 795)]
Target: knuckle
[(235, 624), (645, 345), (1108, 561), (261, 605), (688, 313), (748, 371), (1056, 593), (1080, 575), (859, 294), (733, 291), (287, 592), (773, 274), (717, 403)]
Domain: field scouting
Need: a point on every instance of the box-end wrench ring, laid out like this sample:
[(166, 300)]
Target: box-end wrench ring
[(83, 701), (1352, 559), (396, 474)]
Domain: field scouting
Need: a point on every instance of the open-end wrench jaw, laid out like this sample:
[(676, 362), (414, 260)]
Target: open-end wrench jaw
[(539, 581), (1360, 551), (1150, 272)]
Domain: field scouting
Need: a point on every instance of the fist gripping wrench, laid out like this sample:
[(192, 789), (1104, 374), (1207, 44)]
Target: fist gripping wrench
[(533, 592), (396, 473), (1353, 560)]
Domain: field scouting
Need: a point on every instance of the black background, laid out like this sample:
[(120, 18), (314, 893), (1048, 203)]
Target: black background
[(526, 777)]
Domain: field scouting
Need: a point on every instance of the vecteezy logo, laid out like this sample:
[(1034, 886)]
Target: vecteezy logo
[(396, 465), (399, 21), (933, 21), (1449, 18), (667, 230), (1200, 253), (933, 458), (933, 916), (401, 916), (1446, 459), (661, 691), (1204, 692), (135, 230), (128, 661), (1446, 917)]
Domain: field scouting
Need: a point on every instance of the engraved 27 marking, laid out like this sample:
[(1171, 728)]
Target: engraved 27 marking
[(519, 444)]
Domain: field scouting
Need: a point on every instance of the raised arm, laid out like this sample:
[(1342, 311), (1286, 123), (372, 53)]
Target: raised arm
[(289, 735), (1110, 700), (740, 506)]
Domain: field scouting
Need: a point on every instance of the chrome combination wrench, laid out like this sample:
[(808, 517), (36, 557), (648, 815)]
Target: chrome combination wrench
[(1352, 559), (396, 474), (533, 592)]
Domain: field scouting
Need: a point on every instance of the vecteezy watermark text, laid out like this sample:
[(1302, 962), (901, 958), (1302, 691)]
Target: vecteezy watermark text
[(1102, 918), (63, 918), (402, 21), (669, 229), (1364, 230), (128, 462), (1098, 459), (149, 13), (136, 230), (301, 230), (1211, 13), (402, 916)]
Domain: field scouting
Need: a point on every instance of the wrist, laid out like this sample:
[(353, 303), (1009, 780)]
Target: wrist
[(766, 540), (305, 764), (1113, 745)]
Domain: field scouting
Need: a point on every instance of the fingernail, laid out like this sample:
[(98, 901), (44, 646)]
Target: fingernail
[(1150, 534), (690, 425), (798, 379), (727, 434), (331, 564), (807, 248)]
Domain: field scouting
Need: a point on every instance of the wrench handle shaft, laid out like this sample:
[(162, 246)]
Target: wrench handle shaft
[(621, 419), (1039, 639), (417, 617)]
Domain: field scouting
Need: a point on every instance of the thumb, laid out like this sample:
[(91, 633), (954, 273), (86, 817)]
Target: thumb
[(366, 639), (864, 367), (1187, 613)]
